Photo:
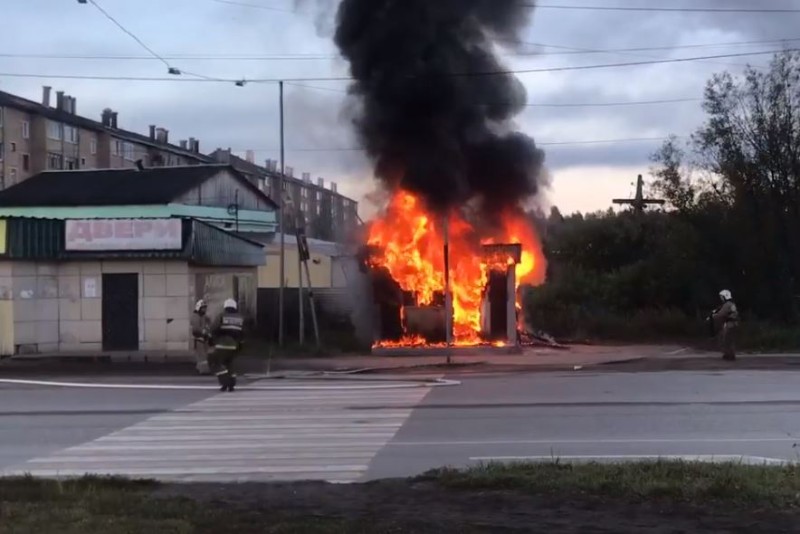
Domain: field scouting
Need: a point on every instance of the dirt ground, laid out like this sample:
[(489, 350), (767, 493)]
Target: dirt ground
[(400, 506)]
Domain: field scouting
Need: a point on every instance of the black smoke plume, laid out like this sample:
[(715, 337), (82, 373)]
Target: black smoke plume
[(436, 103)]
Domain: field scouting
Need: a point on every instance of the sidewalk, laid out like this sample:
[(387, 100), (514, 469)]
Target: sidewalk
[(529, 359), (627, 358)]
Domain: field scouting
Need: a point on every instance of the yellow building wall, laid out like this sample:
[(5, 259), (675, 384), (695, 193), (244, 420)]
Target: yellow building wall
[(319, 268), (6, 306), (6, 328)]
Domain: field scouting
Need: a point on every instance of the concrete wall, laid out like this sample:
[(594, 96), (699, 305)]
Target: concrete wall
[(52, 311), (215, 285), (6, 305), (57, 307)]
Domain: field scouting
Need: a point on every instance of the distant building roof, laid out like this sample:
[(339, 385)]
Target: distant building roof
[(225, 156), (61, 115), (113, 187)]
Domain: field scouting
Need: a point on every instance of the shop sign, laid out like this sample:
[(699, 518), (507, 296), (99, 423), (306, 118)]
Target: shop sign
[(92, 235)]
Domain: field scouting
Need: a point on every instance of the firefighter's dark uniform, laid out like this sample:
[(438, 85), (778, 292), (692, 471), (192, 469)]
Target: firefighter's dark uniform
[(726, 319), (228, 333)]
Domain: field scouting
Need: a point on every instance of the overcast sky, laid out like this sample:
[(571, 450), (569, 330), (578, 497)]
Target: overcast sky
[(585, 175)]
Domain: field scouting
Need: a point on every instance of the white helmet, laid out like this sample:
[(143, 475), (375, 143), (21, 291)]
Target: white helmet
[(230, 304), (725, 295), (200, 304)]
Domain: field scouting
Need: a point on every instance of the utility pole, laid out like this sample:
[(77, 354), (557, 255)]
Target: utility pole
[(281, 228), (639, 202), (448, 298), (298, 225)]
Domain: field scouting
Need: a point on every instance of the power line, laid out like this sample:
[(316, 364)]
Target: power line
[(256, 6), (546, 105), (347, 78), (562, 50), (130, 33), (666, 9), (581, 8), (570, 50), (615, 104), (552, 143)]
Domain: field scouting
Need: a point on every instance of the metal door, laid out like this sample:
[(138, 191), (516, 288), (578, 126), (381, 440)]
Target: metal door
[(120, 312)]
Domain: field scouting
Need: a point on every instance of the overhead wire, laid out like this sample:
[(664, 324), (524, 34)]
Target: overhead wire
[(659, 9), (501, 72), (580, 7), (550, 143), (544, 105), (170, 69), (129, 33)]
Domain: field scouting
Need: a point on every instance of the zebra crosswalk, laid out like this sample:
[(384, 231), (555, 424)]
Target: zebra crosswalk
[(327, 434)]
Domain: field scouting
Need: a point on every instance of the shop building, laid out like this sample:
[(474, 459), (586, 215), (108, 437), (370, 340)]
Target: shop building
[(121, 272)]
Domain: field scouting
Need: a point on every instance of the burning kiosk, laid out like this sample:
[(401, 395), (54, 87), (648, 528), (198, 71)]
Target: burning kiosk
[(406, 323), (443, 286)]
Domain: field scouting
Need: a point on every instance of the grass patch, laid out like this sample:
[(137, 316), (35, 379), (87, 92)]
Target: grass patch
[(751, 486), (100, 505)]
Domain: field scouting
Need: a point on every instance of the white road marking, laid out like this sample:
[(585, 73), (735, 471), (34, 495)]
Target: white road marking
[(245, 436), (593, 441), (352, 387), (720, 458), (676, 352)]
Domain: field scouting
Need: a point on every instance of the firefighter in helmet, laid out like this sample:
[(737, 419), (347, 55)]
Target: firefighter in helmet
[(228, 333), (726, 322), (201, 332)]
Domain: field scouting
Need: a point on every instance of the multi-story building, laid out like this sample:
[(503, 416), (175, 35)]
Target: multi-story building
[(38, 136), (327, 214)]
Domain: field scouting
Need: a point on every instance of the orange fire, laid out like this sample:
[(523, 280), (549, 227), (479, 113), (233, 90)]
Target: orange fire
[(411, 244)]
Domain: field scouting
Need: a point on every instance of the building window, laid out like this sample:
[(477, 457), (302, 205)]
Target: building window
[(26, 130), (83, 162), (93, 146), (54, 131), (2, 146), (71, 164), (26, 162), (55, 161), (70, 134), (13, 146), (129, 151), (124, 149), (304, 192), (12, 174)]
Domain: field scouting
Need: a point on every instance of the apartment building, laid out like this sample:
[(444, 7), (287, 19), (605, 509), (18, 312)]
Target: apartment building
[(327, 214), (41, 136)]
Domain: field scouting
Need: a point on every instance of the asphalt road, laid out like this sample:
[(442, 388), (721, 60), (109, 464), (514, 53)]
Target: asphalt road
[(363, 433), (602, 416), (37, 421)]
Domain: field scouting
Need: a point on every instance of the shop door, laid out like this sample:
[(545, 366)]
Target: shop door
[(120, 312)]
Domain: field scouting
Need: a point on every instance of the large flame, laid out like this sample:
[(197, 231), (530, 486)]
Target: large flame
[(410, 241)]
